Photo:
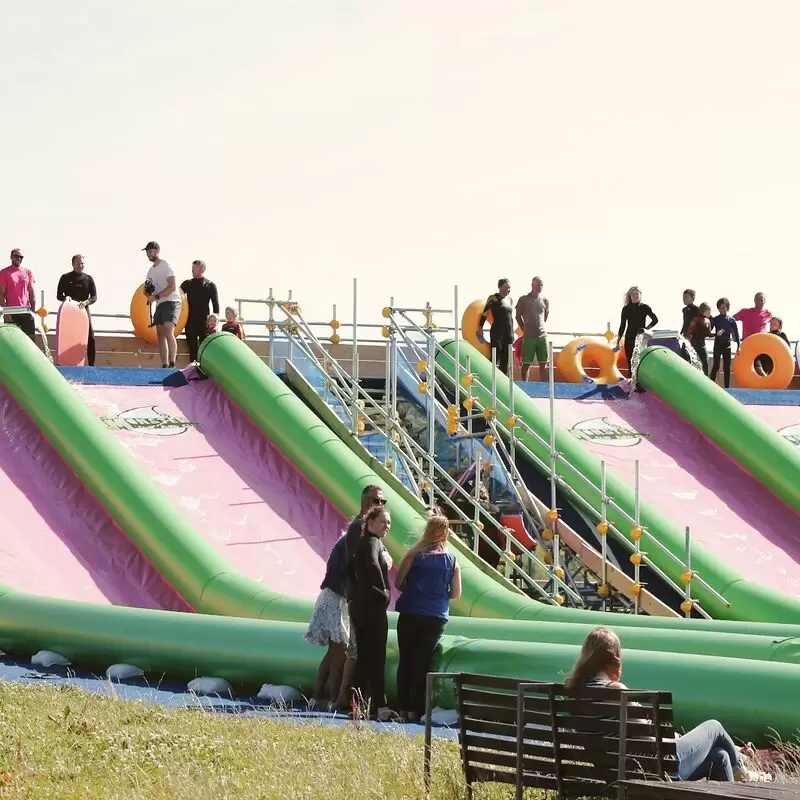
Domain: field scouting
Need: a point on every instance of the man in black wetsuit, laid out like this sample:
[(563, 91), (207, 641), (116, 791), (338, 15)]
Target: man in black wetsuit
[(501, 333), (199, 293), (79, 286)]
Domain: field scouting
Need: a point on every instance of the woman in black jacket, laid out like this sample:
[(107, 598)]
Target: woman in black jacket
[(369, 603)]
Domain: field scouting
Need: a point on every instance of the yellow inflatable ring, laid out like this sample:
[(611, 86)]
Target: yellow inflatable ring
[(469, 327), (589, 352), (140, 316), (764, 344)]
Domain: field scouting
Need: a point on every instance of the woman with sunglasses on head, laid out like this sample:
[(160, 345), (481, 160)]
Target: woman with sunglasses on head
[(429, 577), (369, 601)]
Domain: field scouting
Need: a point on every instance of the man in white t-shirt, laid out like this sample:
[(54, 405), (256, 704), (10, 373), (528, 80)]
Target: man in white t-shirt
[(161, 289)]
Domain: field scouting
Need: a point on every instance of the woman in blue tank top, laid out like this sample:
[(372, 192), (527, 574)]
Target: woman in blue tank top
[(428, 577)]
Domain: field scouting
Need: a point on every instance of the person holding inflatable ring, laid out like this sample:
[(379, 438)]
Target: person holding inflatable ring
[(501, 333)]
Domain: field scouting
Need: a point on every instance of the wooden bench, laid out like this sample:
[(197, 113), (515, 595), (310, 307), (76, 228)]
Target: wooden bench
[(534, 734)]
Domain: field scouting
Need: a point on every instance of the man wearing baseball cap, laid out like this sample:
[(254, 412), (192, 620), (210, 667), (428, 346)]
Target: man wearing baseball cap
[(163, 291)]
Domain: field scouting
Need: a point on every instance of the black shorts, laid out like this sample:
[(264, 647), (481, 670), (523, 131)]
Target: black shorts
[(24, 322), (167, 313)]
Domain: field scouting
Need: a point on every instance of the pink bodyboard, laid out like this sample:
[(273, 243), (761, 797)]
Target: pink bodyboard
[(72, 335)]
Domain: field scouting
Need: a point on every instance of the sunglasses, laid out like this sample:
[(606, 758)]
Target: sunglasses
[(17, 258), (378, 501)]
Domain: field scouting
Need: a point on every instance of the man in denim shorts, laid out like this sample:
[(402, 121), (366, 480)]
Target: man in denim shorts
[(161, 289)]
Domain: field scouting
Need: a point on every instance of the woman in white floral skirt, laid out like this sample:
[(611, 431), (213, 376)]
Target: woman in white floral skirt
[(330, 624)]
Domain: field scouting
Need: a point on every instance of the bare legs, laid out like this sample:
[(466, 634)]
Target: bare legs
[(330, 672), (167, 344), (543, 376), (348, 672)]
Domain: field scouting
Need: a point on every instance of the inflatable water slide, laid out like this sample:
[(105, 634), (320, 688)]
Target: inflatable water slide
[(223, 496), (706, 462)]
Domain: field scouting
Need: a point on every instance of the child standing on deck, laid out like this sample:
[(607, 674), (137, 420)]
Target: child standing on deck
[(725, 331), (690, 310), (232, 324), (699, 330), (763, 364), (776, 327)]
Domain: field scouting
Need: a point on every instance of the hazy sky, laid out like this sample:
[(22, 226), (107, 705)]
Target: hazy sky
[(414, 145)]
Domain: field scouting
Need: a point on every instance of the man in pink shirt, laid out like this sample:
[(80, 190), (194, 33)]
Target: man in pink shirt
[(756, 319), (16, 289)]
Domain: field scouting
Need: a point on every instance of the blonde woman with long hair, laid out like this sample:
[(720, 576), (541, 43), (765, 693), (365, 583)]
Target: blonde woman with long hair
[(706, 751), (636, 317), (428, 577)]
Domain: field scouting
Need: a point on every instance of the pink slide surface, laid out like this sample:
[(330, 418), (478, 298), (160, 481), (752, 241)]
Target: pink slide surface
[(693, 483), (234, 486), (55, 538)]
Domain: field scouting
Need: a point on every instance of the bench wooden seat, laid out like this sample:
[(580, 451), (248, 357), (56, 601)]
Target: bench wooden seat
[(706, 790)]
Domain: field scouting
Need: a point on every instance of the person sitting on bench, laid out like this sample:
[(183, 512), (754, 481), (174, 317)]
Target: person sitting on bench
[(706, 751)]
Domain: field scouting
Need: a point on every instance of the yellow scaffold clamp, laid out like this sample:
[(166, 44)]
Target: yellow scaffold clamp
[(334, 338), (452, 420)]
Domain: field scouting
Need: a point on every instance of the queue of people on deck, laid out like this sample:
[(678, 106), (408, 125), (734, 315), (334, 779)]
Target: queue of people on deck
[(17, 290), (699, 325)]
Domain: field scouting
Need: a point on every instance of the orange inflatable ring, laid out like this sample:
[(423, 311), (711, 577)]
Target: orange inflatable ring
[(585, 352), (140, 316), (764, 344), (469, 327)]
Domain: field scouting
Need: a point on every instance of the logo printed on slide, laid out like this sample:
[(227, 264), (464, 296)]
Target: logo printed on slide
[(602, 430), (792, 434), (147, 420)]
